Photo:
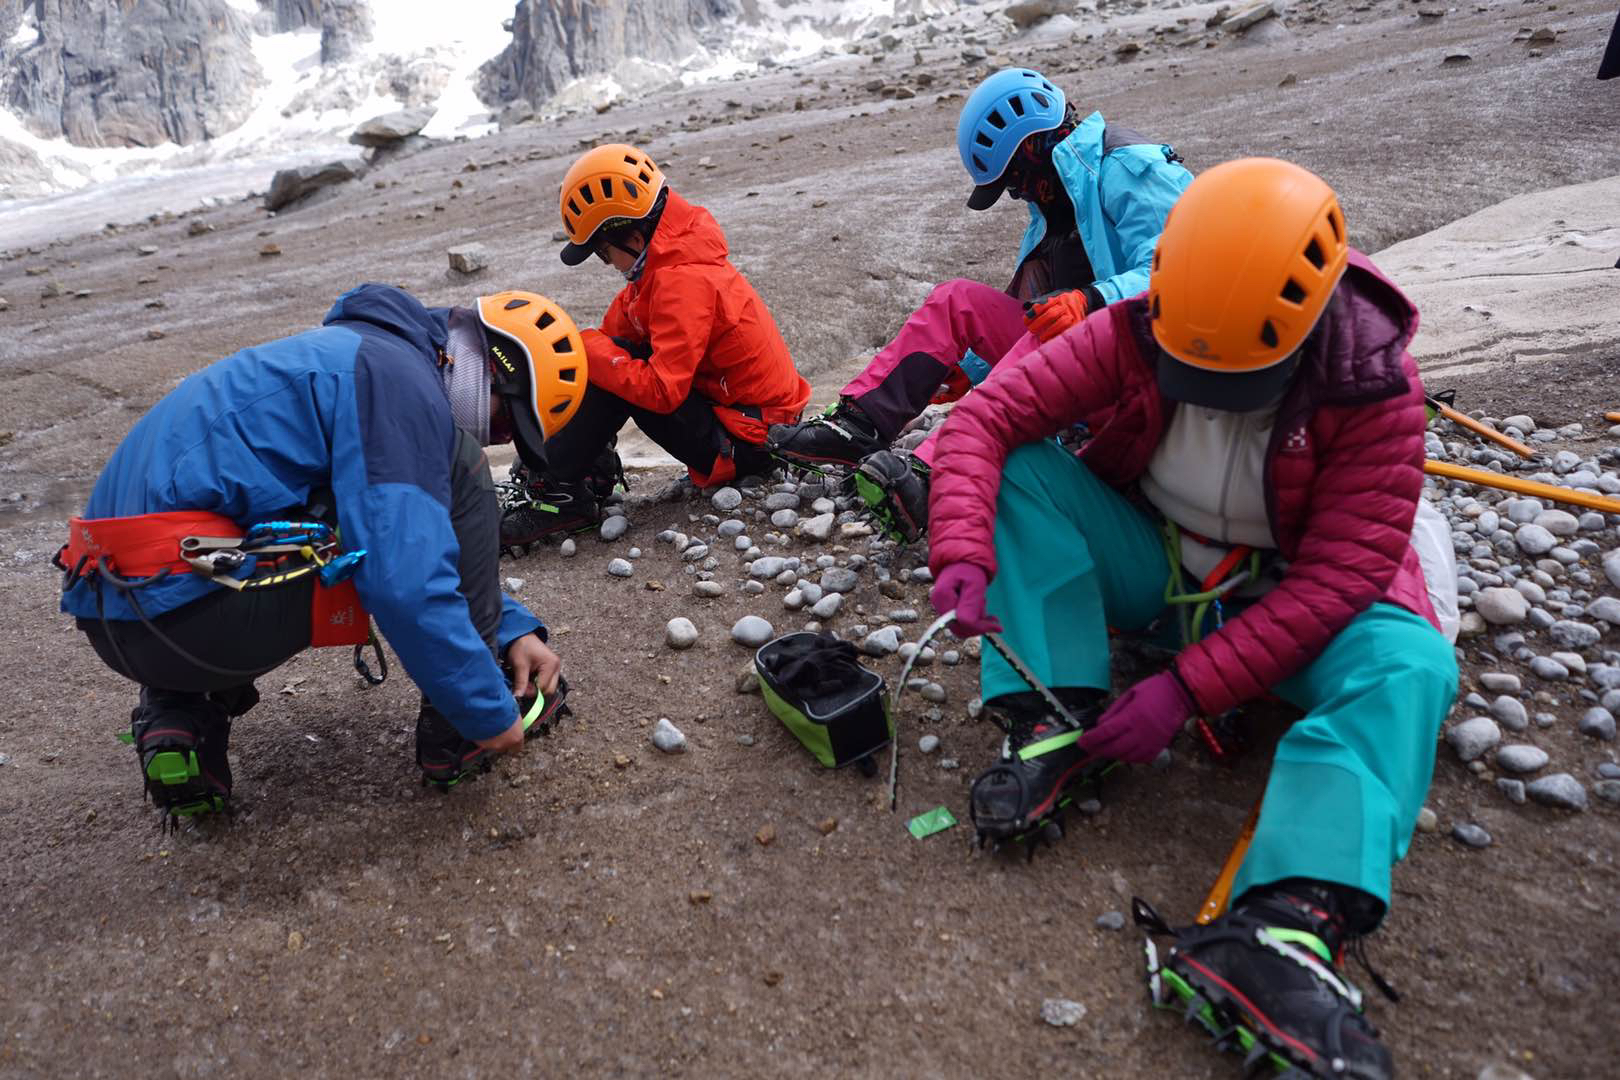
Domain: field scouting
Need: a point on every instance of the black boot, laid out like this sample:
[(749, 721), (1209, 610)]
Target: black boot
[(840, 436), (181, 740), (1266, 979), (1041, 763), (445, 756), (895, 488), (544, 509)]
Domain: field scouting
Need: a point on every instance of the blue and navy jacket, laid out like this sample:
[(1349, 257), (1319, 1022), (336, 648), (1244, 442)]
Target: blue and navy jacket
[(1121, 196), (355, 406)]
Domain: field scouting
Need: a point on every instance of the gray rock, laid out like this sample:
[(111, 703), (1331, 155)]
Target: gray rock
[(811, 591), (1606, 608), (514, 584), (679, 633), (1427, 820), (1473, 737), (1574, 662), (708, 589), (1608, 770), (1511, 789), (781, 500), (1592, 521), (838, 579), (1545, 667), (1510, 712), (1605, 676), (1534, 539), (1111, 920), (1611, 567), (567, 548), (1060, 1012), (827, 606), (667, 737), (1529, 590), (744, 545), (785, 519), (881, 642), (933, 692), (751, 630), (1598, 723), (1558, 522), (950, 657), (753, 588), (767, 566), (293, 185), (1573, 635), (727, 498), (1501, 607), (391, 127), (1607, 790), (730, 529), (613, 528), (1559, 789), (928, 744), (619, 568), (817, 528), (1471, 835), (1501, 682), (1521, 758), (747, 740)]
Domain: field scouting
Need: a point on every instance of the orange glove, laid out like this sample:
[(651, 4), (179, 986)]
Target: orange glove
[(1048, 316)]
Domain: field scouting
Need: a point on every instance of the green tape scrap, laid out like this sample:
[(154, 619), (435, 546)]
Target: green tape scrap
[(936, 820)]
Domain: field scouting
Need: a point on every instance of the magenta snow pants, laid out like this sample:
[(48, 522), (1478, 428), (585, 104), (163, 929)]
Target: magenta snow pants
[(960, 319)]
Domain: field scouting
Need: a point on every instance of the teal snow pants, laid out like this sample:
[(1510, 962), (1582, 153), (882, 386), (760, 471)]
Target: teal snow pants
[(1349, 777)]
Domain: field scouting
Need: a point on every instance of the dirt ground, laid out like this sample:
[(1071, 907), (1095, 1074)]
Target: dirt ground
[(569, 914)]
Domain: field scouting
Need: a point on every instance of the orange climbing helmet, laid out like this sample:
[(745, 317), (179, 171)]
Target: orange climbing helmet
[(1248, 260), (612, 184), (537, 360)]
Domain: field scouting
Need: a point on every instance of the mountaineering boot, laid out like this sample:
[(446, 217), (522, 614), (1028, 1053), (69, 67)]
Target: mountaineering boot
[(895, 488), (840, 436), (1266, 979), (181, 740), (607, 473), (546, 509), (1040, 764), (443, 754)]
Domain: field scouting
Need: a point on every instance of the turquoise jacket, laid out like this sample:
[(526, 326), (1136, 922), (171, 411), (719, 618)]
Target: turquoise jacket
[(1120, 201)]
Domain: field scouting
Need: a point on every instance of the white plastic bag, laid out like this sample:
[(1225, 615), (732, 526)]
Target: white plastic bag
[(1431, 538)]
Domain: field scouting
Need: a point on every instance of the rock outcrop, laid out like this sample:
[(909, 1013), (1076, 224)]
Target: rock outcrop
[(132, 75), (557, 41)]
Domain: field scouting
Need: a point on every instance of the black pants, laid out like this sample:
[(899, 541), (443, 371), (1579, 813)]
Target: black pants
[(692, 434), (254, 631)]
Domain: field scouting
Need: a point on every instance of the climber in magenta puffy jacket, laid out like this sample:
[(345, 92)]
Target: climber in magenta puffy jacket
[(1252, 478)]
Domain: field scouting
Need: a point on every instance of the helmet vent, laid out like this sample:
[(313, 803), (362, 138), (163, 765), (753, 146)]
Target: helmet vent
[(1313, 252), (1268, 334), (1337, 224), (1155, 258), (986, 141), (1155, 313), (517, 303), (978, 163), (573, 207), (1041, 99), (560, 407), (568, 375), (630, 159), (545, 320), (607, 187), (629, 188), (1293, 292), (563, 345), (645, 178), (585, 193), (995, 120), (1016, 104)]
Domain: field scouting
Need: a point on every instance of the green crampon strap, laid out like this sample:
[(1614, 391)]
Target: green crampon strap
[(1046, 746), (1302, 937), (535, 710)]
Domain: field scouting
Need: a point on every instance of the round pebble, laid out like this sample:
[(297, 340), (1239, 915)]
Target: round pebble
[(1560, 789), (708, 589), (567, 548), (1111, 920), (752, 631), (727, 498), (1510, 712), (679, 633), (1471, 835), (667, 737), (1598, 723), (1473, 737), (613, 528), (1521, 758), (928, 743), (619, 568)]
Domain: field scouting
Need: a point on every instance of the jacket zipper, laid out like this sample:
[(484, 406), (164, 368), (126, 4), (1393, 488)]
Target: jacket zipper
[(1234, 443)]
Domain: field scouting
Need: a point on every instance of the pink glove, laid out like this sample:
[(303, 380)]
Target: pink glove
[(961, 586), (1142, 721)]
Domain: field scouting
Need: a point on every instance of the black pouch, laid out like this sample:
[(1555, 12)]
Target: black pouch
[(816, 686)]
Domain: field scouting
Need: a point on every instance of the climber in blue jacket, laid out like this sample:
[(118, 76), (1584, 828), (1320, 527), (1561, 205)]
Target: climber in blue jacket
[(275, 498)]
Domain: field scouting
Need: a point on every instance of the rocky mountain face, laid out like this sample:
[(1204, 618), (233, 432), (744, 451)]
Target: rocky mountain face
[(131, 74), (556, 41)]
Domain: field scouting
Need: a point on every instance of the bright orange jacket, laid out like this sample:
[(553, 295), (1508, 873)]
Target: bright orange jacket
[(708, 331)]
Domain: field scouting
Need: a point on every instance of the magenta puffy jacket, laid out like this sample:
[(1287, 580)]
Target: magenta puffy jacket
[(1343, 471)]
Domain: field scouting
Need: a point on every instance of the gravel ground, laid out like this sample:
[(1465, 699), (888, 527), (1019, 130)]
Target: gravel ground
[(601, 906)]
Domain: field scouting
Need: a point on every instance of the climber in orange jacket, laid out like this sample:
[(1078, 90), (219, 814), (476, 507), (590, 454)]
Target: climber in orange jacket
[(687, 350)]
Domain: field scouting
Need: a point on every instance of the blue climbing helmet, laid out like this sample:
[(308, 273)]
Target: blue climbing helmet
[(1006, 109)]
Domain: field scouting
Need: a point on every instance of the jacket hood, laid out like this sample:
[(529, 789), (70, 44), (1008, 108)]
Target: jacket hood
[(686, 234), (396, 311)]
